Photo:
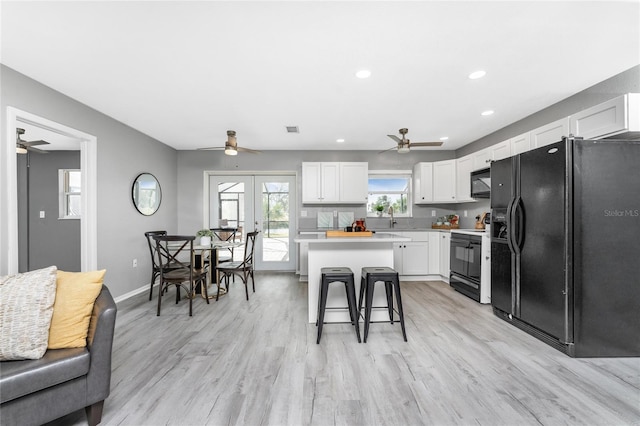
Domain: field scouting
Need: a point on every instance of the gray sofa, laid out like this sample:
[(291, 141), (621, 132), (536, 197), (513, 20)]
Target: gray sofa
[(33, 392)]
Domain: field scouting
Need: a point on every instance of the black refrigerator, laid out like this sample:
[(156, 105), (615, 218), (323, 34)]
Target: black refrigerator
[(565, 245)]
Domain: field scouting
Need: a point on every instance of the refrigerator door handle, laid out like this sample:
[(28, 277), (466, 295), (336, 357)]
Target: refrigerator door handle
[(509, 220), (518, 214)]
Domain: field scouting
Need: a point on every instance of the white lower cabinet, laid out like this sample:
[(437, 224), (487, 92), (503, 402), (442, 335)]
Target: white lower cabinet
[(303, 256), (410, 258), (426, 255), (444, 241)]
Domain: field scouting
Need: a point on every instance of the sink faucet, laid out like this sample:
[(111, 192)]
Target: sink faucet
[(392, 221)]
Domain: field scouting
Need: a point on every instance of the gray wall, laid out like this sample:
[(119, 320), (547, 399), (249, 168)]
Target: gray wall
[(50, 241), (193, 164), (123, 153), (625, 82)]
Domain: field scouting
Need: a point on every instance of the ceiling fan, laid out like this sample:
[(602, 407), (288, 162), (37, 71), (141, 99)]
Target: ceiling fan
[(231, 145), (22, 146), (405, 144)]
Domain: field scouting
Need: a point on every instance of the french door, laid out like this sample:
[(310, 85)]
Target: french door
[(259, 201)]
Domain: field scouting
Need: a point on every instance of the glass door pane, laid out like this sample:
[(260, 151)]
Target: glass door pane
[(275, 202)]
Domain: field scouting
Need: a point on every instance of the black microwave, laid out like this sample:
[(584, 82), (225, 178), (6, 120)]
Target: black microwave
[(481, 183)]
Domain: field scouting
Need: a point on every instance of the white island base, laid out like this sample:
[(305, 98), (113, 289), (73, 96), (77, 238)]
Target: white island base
[(354, 253)]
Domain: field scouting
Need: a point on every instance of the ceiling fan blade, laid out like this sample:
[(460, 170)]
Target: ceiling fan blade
[(252, 151), (426, 144), (39, 151), (390, 149), (32, 143), (211, 148), (395, 138)]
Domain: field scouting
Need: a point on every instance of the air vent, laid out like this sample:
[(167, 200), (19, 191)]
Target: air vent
[(293, 129)]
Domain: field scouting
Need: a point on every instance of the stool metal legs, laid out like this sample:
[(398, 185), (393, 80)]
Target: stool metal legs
[(391, 284), (345, 276)]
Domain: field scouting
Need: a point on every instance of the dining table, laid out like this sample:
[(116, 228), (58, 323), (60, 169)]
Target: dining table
[(200, 253)]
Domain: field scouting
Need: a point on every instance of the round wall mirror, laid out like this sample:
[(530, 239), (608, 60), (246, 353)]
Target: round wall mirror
[(146, 194)]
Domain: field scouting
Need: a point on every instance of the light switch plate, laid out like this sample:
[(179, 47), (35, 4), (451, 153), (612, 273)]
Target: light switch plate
[(41, 214)]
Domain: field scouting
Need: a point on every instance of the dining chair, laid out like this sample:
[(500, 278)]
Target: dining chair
[(172, 250), (155, 262), (225, 234), (243, 269)]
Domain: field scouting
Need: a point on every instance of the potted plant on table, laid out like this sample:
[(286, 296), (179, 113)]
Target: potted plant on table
[(205, 236)]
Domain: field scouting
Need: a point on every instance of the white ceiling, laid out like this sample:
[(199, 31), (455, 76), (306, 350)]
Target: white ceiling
[(185, 72)]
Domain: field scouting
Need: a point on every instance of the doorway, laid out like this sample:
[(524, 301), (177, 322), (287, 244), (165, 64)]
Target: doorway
[(258, 201), (16, 118)]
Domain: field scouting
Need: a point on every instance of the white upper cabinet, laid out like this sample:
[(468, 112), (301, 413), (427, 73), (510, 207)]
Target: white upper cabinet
[(550, 133), (464, 167), (501, 150), (618, 115), (423, 183), (521, 143), (481, 159), (354, 182), (331, 183), (444, 181)]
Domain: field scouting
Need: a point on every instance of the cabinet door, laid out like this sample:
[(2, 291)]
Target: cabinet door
[(550, 133), (397, 257), (311, 182), (521, 143), (600, 120), (501, 150), (354, 182), (464, 167), (444, 181), (481, 159), (434, 253), (423, 183), (414, 258), (330, 182), (445, 253)]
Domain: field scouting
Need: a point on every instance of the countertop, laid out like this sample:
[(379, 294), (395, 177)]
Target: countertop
[(385, 230), (375, 238)]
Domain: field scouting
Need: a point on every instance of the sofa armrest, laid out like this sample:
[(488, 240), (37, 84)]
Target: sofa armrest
[(99, 344)]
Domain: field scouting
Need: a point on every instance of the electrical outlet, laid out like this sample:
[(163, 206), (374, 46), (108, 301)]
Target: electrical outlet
[(465, 213), (433, 213), (303, 213), (135, 263), (41, 214), (335, 213)]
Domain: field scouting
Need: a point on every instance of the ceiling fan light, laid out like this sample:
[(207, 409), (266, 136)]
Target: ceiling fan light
[(21, 150), (229, 150), (403, 149)]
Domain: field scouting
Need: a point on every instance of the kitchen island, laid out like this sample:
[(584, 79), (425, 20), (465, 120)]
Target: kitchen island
[(354, 253)]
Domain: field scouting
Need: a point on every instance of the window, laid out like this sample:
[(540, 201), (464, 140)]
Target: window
[(389, 189), (69, 184)]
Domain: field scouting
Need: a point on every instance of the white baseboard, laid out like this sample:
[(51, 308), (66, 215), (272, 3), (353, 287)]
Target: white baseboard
[(143, 289)]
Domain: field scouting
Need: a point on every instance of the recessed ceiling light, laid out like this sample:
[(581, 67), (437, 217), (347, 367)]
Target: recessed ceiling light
[(363, 74), (444, 138), (488, 112), (477, 74), (339, 140)]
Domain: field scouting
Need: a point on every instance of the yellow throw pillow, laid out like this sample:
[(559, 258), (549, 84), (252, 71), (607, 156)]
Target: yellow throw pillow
[(75, 295)]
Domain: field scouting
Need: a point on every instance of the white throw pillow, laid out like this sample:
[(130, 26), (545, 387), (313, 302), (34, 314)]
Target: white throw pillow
[(26, 307)]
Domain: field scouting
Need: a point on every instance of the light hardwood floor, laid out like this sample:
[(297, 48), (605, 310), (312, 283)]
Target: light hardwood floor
[(257, 363)]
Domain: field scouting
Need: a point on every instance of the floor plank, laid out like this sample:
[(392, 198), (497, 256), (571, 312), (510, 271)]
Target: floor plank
[(256, 363)]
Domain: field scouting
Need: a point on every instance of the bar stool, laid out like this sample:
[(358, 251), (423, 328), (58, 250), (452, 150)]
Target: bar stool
[(371, 275), (337, 274)]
